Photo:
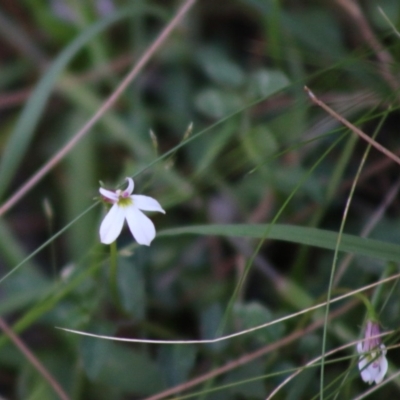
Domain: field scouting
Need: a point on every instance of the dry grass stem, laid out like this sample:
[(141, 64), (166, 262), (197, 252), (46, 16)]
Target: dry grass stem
[(352, 127), (33, 360), (104, 108)]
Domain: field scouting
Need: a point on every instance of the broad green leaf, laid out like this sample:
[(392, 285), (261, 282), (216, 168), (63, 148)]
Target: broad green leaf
[(210, 322), (297, 234), (251, 390), (94, 353), (263, 83), (130, 370), (217, 103), (176, 362), (220, 68), (249, 315), (78, 193)]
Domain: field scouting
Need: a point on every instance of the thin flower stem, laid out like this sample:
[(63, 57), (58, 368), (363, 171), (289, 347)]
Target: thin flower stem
[(114, 272), (27, 186)]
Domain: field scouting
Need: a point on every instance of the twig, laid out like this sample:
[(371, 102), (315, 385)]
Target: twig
[(385, 59), (352, 127), (106, 106), (15, 98), (33, 360)]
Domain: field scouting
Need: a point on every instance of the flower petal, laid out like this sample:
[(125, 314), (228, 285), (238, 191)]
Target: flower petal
[(367, 372), (362, 363), (383, 367), (147, 203), (366, 375), (112, 224), (131, 185), (360, 347), (108, 194), (141, 227)]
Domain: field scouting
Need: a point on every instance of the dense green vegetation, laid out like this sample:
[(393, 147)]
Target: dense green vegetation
[(273, 205)]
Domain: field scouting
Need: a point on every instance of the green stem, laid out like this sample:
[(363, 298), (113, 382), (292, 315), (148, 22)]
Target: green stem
[(114, 272)]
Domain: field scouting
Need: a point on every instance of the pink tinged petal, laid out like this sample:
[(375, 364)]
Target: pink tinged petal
[(112, 224), (109, 194), (131, 185), (141, 227), (147, 203)]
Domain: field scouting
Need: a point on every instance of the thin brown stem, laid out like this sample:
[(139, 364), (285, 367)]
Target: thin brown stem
[(26, 187), (352, 127), (353, 10), (17, 97), (33, 360)]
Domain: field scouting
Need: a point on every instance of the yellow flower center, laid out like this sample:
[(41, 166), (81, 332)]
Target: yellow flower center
[(125, 201)]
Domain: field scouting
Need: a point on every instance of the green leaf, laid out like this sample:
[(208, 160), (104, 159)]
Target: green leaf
[(78, 193), (130, 370), (263, 83), (220, 68), (210, 323), (94, 353), (216, 103), (249, 315), (297, 234), (250, 390), (177, 361)]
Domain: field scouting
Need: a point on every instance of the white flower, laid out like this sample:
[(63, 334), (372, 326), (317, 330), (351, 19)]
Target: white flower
[(372, 364), (128, 206)]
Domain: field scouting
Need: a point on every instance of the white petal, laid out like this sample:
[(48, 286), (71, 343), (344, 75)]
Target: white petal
[(362, 362), (141, 227), (112, 224), (360, 349), (108, 194), (366, 375), (147, 203), (131, 185), (383, 367)]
